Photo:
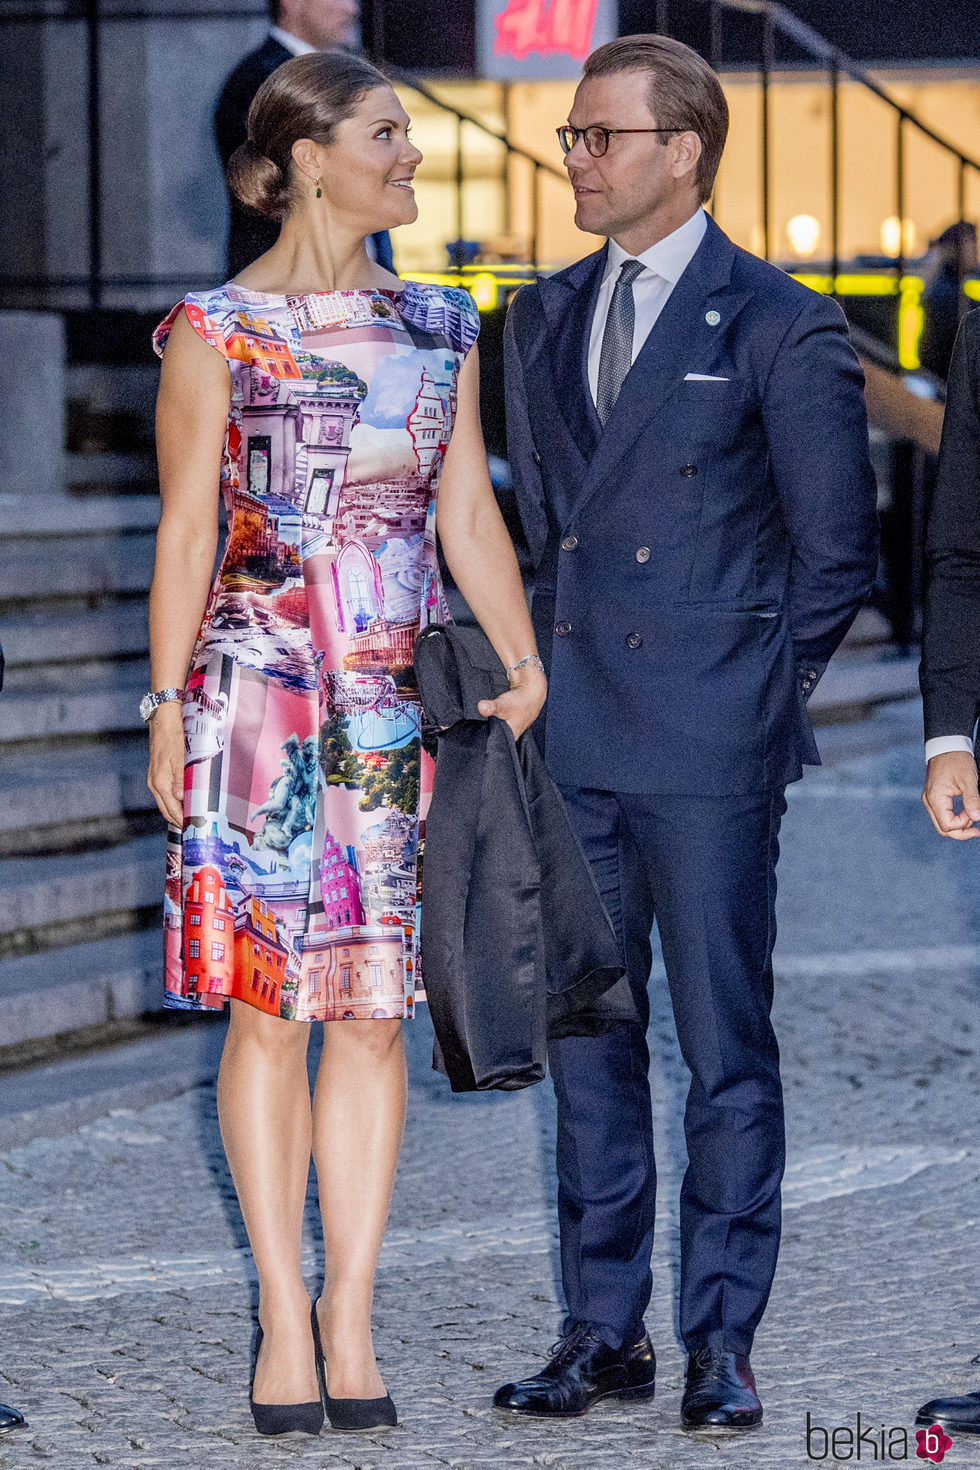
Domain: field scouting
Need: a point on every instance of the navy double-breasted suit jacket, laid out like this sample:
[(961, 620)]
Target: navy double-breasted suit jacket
[(697, 560)]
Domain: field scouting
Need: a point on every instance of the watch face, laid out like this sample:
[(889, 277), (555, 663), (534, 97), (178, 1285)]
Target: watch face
[(147, 706)]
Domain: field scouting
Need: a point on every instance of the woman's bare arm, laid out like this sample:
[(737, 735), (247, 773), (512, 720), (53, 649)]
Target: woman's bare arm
[(481, 557), (192, 417)]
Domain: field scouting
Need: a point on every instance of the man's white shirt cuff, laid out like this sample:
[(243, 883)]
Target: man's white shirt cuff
[(946, 744)]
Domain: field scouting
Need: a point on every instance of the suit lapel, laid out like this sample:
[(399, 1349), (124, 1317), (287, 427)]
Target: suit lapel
[(682, 341), (568, 301)]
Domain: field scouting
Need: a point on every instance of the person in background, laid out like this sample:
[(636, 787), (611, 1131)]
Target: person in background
[(952, 257), (296, 28), (950, 671)]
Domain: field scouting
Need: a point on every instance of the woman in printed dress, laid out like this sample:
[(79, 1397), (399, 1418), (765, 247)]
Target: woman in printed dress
[(328, 402)]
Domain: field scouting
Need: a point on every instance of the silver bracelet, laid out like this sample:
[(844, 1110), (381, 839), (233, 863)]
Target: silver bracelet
[(530, 661)]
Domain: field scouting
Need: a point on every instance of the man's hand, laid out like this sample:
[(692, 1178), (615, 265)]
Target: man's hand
[(949, 776)]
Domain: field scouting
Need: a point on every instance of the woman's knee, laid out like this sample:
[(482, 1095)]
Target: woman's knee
[(372, 1042), (248, 1026)]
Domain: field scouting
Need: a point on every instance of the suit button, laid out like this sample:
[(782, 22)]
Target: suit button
[(634, 640), (687, 470), (643, 553), (563, 629), (569, 543), (536, 457)]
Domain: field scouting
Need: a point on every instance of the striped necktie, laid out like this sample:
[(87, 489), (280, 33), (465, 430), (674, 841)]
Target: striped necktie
[(616, 356)]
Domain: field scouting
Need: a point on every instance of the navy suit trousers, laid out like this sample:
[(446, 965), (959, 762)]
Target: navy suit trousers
[(705, 867)]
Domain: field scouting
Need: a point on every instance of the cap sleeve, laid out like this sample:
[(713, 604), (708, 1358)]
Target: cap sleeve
[(445, 310), (205, 316)]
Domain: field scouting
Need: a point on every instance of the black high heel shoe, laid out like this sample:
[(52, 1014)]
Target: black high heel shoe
[(277, 1421), (352, 1414)]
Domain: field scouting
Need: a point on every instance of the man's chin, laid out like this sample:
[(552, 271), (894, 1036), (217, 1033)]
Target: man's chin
[(589, 219)]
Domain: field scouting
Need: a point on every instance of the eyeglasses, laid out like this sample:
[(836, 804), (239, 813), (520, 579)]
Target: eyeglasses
[(597, 139)]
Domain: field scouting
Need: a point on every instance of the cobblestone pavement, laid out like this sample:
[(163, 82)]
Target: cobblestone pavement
[(127, 1294)]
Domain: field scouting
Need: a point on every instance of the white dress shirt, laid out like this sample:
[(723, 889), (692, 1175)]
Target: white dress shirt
[(664, 264), (945, 744), (292, 43)]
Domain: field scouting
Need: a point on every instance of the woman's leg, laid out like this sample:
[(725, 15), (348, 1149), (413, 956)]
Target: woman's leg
[(358, 1121), (264, 1111)]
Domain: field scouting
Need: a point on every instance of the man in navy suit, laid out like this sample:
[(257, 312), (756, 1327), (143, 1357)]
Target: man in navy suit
[(689, 446), (296, 28)]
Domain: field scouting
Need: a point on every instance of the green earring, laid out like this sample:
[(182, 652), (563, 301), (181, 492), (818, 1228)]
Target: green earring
[(319, 191)]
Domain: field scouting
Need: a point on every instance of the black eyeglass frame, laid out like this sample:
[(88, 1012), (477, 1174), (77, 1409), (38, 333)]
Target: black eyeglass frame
[(607, 133)]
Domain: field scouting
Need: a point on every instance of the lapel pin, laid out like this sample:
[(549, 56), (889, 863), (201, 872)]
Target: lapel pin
[(712, 318)]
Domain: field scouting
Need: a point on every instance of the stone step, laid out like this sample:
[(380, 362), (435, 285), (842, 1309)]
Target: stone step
[(60, 787), (96, 708), (61, 515), (67, 566), (41, 638), (80, 986), (106, 387), (108, 467), (40, 891)]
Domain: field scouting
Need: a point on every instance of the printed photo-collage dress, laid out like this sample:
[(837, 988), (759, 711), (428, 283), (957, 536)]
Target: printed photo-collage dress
[(293, 885)]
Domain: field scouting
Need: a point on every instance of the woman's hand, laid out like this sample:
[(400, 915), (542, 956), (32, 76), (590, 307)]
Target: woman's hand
[(166, 774), (522, 703)]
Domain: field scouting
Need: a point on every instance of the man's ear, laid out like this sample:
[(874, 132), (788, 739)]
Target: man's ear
[(687, 150)]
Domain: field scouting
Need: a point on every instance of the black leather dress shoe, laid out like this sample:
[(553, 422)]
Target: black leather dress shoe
[(959, 1416), (720, 1392), (583, 1369), (11, 1419)]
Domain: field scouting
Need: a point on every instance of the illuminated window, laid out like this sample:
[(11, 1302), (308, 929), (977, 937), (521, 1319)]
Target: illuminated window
[(217, 951), (209, 898), (194, 949), (195, 918), (218, 922)]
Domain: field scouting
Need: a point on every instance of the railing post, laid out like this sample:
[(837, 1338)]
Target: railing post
[(535, 214), (834, 173), (716, 39), (900, 197), (94, 157), (459, 178), (765, 70)]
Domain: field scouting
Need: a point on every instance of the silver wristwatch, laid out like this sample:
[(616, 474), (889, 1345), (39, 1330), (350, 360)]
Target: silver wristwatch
[(150, 702)]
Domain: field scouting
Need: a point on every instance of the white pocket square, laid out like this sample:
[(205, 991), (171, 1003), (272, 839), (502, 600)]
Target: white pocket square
[(704, 378)]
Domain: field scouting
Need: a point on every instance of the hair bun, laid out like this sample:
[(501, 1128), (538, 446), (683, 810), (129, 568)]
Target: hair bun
[(257, 182)]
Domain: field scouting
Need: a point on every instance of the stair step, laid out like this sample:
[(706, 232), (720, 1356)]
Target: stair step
[(40, 891), (79, 986), (111, 467), (60, 787), (74, 566), (41, 715), (62, 515), (107, 632)]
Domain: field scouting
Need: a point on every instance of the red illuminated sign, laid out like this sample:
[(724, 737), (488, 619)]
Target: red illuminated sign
[(548, 27)]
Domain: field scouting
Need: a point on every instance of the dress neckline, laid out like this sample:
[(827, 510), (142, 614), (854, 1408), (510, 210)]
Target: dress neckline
[(306, 295)]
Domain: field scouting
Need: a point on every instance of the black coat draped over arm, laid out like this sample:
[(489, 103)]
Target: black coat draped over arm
[(516, 945)]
